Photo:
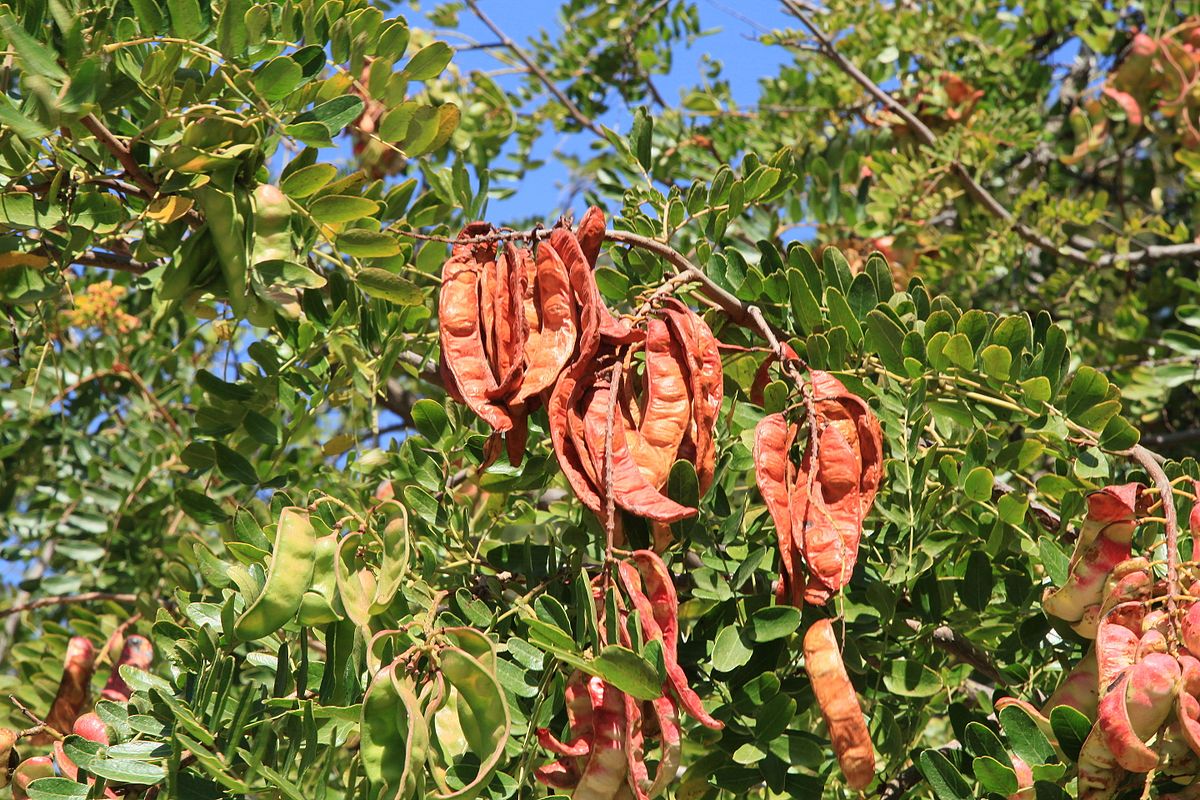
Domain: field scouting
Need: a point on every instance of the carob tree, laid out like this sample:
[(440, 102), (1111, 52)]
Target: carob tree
[(353, 493)]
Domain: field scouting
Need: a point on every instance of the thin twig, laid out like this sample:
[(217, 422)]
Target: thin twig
[(39, 723), (960, 649), (968, 182), (70, 599), (1149, 462), (537, 71)]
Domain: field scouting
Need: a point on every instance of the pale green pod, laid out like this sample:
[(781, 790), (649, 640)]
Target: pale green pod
[(289, 577)]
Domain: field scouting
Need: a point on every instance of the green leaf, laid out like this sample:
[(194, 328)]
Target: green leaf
[(994, 776), (1056, 563), (978, 484), (1071, 729), (773, 622), (186, 21), (976, 586), (367, 244), (31, 54), (729, 651), (389, 286), (334, 114), (430, 419), (641, 136), (429, 61), (886, 338), (336, 208), (684, 488), (278, 78), (57, 789), (234, 465), (1024, 736), (627, 671), (1118, 434), (911, 679), (947, 782), (307, 180), (996, 362), (1087, 389)]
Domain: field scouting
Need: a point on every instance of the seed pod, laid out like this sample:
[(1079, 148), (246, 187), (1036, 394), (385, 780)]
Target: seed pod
[(831, 498), (1194, 519), (839, 705), (772, 441), (607, 765), (289, 577), (703, 360), (28, 771), (1116, 644), (589, 236), (552, 341), (659, 614), (1079, 690), (631, 490), (1103, 544), (9, 757), (137, 653), (459, 322), (74, 688), (1138, 705), (668, 409)]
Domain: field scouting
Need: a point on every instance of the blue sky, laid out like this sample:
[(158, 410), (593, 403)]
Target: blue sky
[(729, 41)]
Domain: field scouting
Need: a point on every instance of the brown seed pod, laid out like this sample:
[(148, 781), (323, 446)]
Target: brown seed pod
[(839, 705), (74, 688)]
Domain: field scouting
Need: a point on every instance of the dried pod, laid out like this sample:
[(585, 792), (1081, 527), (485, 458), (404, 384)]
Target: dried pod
[(1138, 705), (839, 705), (74, 688)]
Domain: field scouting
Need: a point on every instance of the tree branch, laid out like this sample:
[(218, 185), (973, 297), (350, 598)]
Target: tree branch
[(130, 164), (69, 599), (961, 649), (536, 70), (968, 182)]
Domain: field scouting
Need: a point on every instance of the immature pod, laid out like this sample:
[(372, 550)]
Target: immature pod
[(1099, 773), (289, 577), (483, 716), (137, 653), (463, 356), (74, 688), (1140, 702), (28, 771), (393, 565), (1194, 519), (839, 705), (607, 767), (1079, 690), (356, 581), (1085, 583), (394, 734), (670, 741), (320, 603)]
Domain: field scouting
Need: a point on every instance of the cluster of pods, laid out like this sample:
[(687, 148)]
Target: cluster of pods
[(69, 713), (625, 397), (611, 732), (1139, 683), (434, 722), (818, 508)]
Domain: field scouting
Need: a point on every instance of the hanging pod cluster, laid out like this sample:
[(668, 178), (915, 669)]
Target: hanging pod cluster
[(436, 714), (818, 508), (1137, 686), (520, 328), (611, 733)]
